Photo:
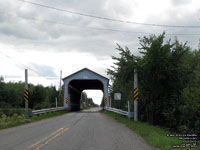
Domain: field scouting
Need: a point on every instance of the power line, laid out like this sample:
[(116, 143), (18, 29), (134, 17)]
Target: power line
[(93, 28), (108, 19), (22, 66), (71, 25)]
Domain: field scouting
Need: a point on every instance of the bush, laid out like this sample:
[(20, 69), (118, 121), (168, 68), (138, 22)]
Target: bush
[(3, 118), (21, 117), (15, 116), (11, 111)]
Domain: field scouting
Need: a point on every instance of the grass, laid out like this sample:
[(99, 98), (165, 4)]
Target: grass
[(153, 135), (16, 120), (86, 107)]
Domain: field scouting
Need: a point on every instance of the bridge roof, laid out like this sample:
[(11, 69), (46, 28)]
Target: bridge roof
[(82, 71)]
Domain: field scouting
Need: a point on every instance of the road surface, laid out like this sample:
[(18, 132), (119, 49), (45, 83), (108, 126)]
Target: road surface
[(86, 130)]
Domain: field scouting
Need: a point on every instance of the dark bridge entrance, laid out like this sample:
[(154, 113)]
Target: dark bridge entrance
[(84, 79)]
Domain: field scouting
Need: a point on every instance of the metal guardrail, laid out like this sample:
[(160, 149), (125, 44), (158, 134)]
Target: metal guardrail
[(42, 111), (119, 111)]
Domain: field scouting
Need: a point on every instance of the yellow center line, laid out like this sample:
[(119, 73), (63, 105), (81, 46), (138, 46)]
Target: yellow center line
[(52, 138), (38, 142)]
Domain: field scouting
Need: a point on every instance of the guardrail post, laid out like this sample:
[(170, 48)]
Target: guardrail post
[(56, 102)]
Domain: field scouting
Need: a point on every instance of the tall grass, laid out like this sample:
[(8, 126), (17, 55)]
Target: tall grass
[(10, 111), (153, 135), (15, 119)]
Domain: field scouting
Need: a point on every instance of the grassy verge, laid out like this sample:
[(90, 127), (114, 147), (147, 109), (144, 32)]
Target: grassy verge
[(154, 136), (15, 120), (86, 107)]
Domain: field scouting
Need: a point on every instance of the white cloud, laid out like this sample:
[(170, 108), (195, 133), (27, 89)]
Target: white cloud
[(61, 47), (44, 67)]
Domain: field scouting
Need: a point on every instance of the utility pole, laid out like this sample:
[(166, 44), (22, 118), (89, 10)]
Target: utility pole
[(199, 45), (60, 86), (135, 95), (60, 78), (26, 94)]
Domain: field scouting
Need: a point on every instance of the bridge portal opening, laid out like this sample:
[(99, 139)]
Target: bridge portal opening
[(79, 81), (77, 86), (95, 95)]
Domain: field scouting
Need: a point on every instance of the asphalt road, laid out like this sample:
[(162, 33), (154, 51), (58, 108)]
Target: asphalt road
[(87, 130)]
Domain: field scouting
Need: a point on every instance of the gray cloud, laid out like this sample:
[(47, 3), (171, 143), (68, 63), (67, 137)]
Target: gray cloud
[(180, 2), (53, 37), (10, 77), (43, 70)]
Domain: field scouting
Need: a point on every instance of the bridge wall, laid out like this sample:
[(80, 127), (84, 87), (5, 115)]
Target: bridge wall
[(72, 97)]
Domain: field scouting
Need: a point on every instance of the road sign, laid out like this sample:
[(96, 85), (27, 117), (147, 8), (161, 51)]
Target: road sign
[(66, 100), (26, 95), (106, 100), (136, 94), (117, 96)]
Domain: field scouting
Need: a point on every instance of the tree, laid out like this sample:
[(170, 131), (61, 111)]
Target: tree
[(38, 96), (122, 74), (190, 111), (165, 70), (163, 74), (84, 99), (12, 95), (2, 92)]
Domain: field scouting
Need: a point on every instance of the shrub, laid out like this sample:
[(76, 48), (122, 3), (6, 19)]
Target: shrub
[(11, 111), (3, 118), (14, 116)]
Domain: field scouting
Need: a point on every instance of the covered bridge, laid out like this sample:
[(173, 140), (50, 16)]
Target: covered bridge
[(84, 79)]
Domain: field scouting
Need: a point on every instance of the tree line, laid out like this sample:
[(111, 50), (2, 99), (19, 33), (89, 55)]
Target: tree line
[(87, 102), (169, 82), (12, 95)]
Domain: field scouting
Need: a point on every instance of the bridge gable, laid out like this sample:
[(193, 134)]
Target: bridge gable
[(75, 83), (85, 74)]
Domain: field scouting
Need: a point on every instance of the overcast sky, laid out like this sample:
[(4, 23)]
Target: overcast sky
[(70, 41)]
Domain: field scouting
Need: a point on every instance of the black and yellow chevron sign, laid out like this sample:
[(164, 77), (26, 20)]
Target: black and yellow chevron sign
[(66, 100), (26, 95), (136, 94), (106, 100)]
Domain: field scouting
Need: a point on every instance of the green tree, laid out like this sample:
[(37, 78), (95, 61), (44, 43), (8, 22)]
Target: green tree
[(12, 95), (190, 111), (122, 75), (38, 96), (15, 94), (163, 75), (165, 69), (3, 93), (154, 67)]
